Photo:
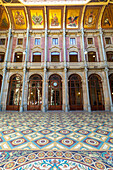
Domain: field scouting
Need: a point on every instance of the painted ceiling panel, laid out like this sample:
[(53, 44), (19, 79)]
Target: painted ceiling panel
[(55, 18), (4, 23), (107, 19), (91, 17), (18, 18), (73, 17), (36, 16)]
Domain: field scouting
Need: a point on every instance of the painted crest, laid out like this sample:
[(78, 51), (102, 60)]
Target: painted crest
[(72, 21), (90, 19), (19, 18), (37, 19)]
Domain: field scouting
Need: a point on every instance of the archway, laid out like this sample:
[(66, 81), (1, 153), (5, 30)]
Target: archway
[(35, 93), (0, 82), (55, 93), (14, 94), (96, 93), (111, 85), (75, 92)]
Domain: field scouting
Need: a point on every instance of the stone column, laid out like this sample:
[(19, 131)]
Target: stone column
[(24, 72), (65, 64), (106, 69), (86, 72), (45, 63), (5, 68)]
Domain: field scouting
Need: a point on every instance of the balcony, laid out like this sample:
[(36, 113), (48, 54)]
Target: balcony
[(75, 65), (15, 65), (35, 65), (94, 65), (55, 65)]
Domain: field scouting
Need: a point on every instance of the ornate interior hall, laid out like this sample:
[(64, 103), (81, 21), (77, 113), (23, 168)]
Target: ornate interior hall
[(56, 84)]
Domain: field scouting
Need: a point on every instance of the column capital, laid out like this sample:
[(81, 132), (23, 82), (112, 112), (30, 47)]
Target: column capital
[(101, 31), (106, 69)]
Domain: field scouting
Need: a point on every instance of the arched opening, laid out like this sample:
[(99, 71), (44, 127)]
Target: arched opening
[(35, 92), (109, 55), (18, 57), (0, 82), (75, 92), (111, 85), (36, 57), (92, 56), (96, 93), (14, 93), (2, 56), (73, 57), (55, 93), (55, 57)]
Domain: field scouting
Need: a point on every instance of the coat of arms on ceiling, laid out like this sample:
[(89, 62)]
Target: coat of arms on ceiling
[(37, 18), (91, 17), (54, 18), (4, 24), (72, 18), (19, 19)]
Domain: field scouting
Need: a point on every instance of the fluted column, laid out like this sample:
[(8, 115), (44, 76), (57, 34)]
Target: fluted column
[(5, 68), (106, 69), (86, 72), (65, 63), (45, 65), (24, 71)]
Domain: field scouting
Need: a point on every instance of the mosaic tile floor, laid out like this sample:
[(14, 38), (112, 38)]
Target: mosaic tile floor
[(56, 131), (56, 160)]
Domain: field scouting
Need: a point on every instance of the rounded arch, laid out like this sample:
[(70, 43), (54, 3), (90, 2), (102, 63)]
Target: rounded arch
[(14, 92), (75, 92), (111, 84), (35, 77), (55, 76), (55, 92), (95, 75), (0, 82), (96, 92), (75, 76), (34, 92)]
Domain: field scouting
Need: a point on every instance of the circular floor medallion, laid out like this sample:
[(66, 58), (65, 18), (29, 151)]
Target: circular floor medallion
[(92, 142), (18, 141), (67, 142), (42, 141)]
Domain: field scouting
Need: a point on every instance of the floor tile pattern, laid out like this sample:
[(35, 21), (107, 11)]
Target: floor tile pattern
[(56, 160), (56, 131)]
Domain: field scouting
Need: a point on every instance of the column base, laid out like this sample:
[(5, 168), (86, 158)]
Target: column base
[(0, 107), (44, 108), (66, 108), (89, 108), (21, 108), (111, 108)]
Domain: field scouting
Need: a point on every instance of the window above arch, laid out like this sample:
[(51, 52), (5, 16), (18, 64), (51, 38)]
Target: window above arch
[(73, 56), (92, 56), (109, 55), (18, 57), (55, 57), (36, 57)]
